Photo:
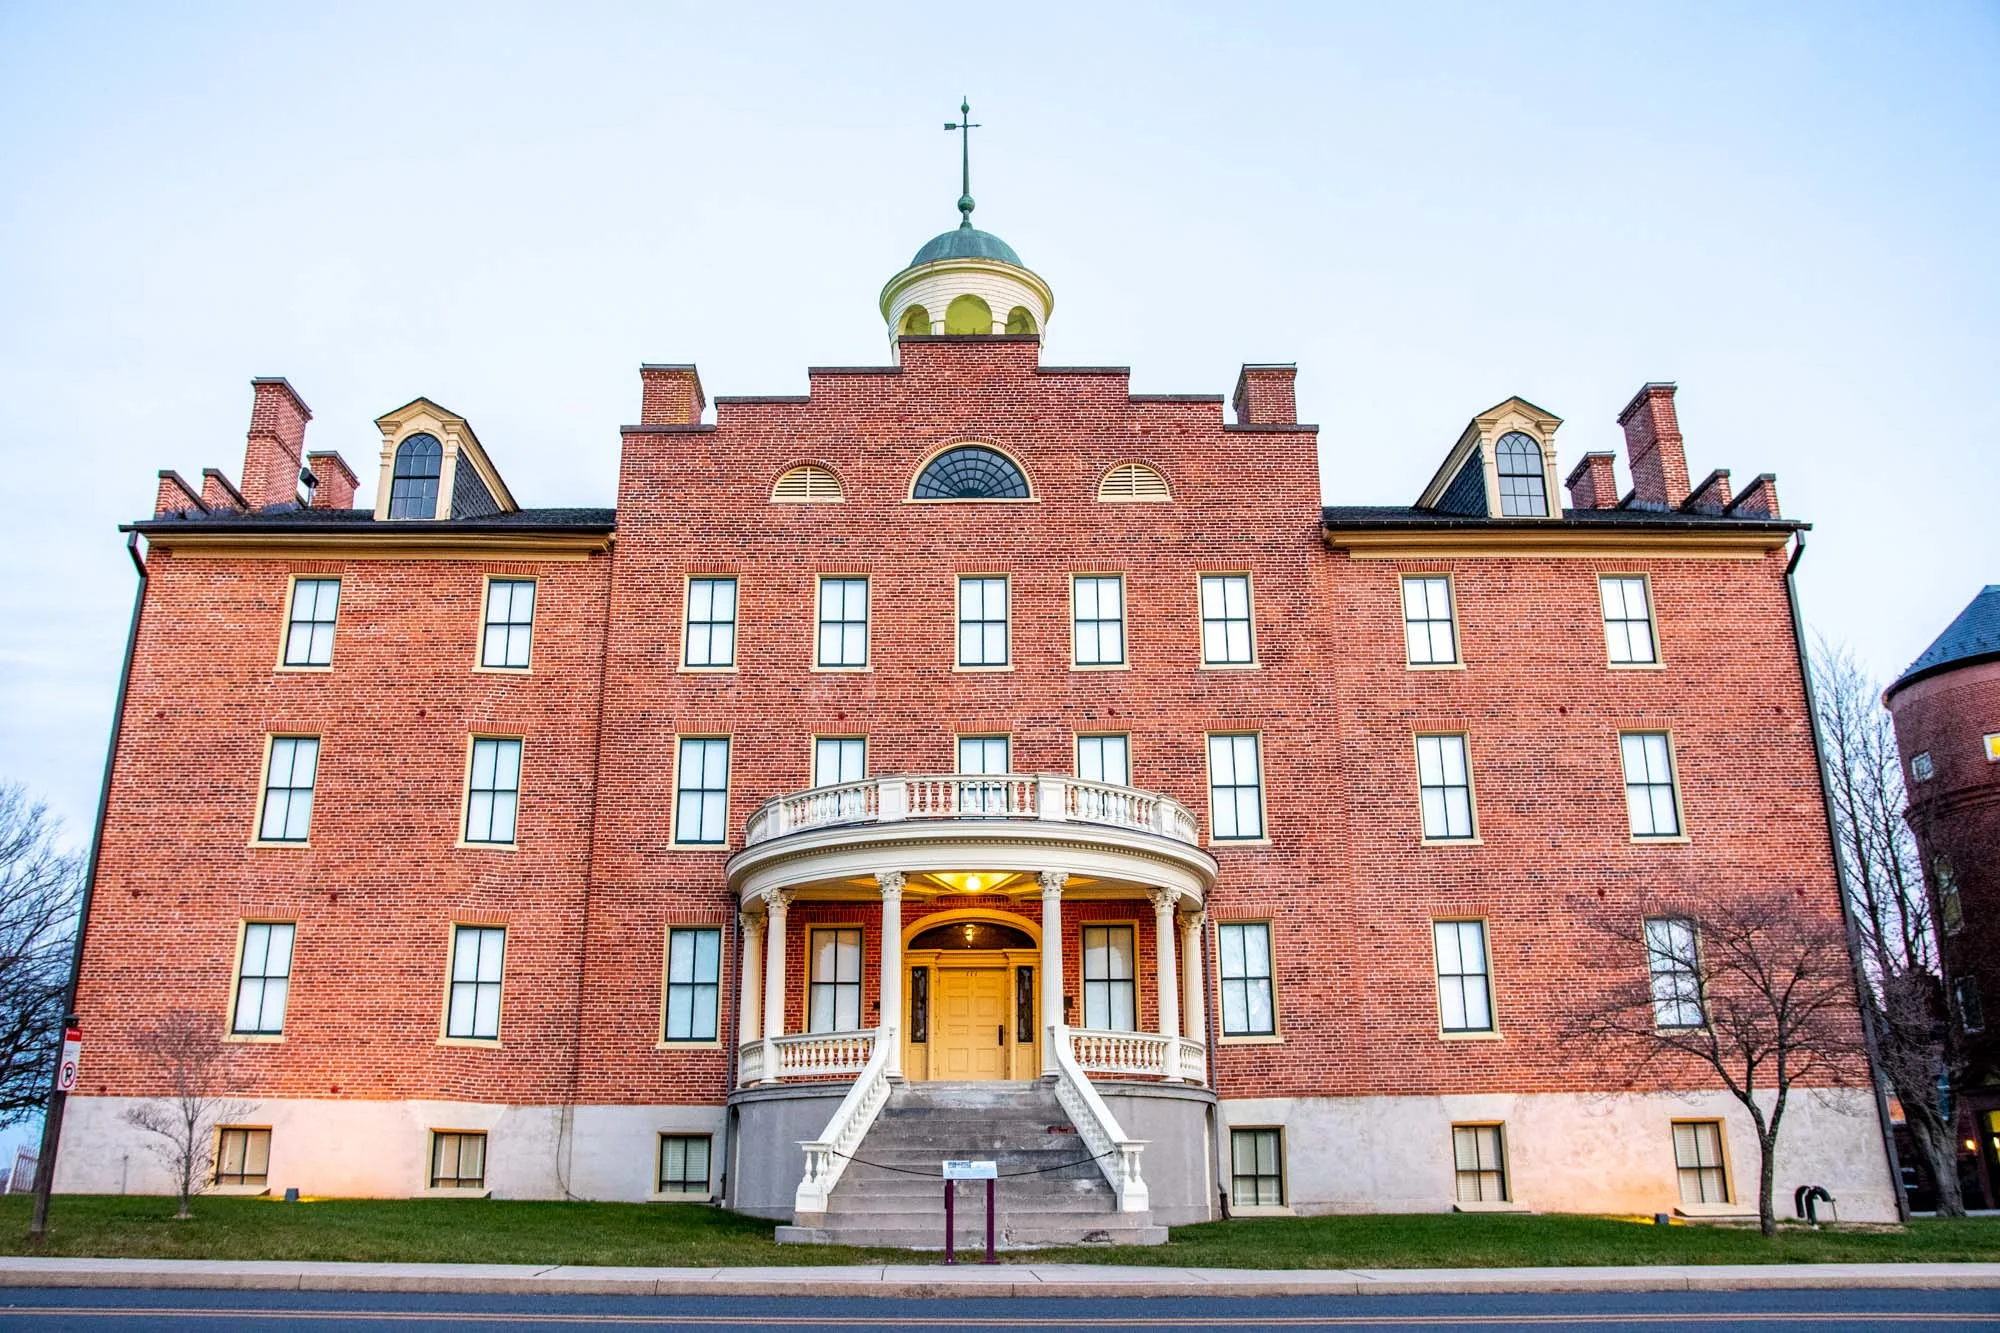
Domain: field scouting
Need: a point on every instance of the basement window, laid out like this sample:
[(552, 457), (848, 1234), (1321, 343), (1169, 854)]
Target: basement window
[(684, 1161), (458, 1160)]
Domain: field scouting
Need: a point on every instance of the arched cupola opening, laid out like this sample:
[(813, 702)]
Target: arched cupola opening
[(1021, 320), (968, 314), (916, 322)]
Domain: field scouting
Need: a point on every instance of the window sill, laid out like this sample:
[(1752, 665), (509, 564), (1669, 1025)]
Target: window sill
[(471, 1043), (254, 1038), (978, 669), (1451, 842), (681, 1196), (1712, 1210), (303, 670), (1435, 666), (1261, 1210), (1636, 666), (1677, 840), (665, 1045), (706, 670), (304, 845), (1251, 665), (238, 1191), (1501, 1206), (697, 846), (842, 670), (465, 846), (1100, 666), (1252, 1039), (483, 670), (455, 1192), (1239, 842), (1470, 1036)]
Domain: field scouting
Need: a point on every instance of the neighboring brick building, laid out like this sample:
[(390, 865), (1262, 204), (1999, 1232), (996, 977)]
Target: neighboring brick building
[(963, 719), (1947, 713)]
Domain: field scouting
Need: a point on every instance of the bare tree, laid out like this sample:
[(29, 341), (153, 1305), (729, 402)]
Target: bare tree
[(1895, 926), (39, 888), (188, 1054), (1760, 993)]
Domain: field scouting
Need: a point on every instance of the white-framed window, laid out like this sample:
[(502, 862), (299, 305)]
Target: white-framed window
[(710, 634), (838, 759), (1921, 767), (1971, 1008), (478, 961), (493, 790), (509, 637), (1465, 986), (1523, 486), (1235, 787), (1430, 637), (1097, 602), (1256, 1168), (1444, 788), (458, 1160), (263, 979), (834, 989), (694, 976), (1675, 971), (242, 1155), (983, 756), (1650, 798), (309, 628), (1227, 637), (684, 1164), (1698, 1159), (1479, 1163), (982, 621), (1110, 979), (1106, 758), (289, 774), (843, 623), (1243, 955), (1628, 620), (701, 791)]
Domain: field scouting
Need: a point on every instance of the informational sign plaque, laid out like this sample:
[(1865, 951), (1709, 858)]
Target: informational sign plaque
[(959, 1169)]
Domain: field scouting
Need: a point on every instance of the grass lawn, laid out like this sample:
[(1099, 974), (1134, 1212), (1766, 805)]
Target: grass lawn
[(690, 1235)]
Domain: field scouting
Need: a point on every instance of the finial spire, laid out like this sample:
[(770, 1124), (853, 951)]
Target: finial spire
[(965, 127)]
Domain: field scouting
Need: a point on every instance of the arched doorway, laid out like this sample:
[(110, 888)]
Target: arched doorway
[(973, 1012)]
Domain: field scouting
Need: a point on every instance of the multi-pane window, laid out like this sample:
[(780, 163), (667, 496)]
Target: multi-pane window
[(1104, 759), (1921, 767), (1235, 788), (1523, 486), (1479, 1161), (510, 624), (478, 954), (242, 1156), (982, 755), (458, 1160), (1429, 636), (1110, 980), (1971, 1009), (834, 993), (684, 1163), (1698, 1159), (1628, 620), (701, 790), (1256, 1168), (1676, 977), (711, 623), (982, 621), (1465, 992), (263, 979), (1649, 784), (1098, 601), (694, 973), (309, 629), (1444, 787), (1244, 949), (1951, 912), (843, 623), (288, 789), (413, 486), (493, 790), (1225, 619), (838, 759)]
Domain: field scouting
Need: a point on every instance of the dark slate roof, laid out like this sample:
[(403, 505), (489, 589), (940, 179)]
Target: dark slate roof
[(290, 518), (1973, 637), (1407, 516)]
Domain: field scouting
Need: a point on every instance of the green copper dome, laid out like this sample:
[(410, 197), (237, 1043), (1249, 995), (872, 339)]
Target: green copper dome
[(967, 242)]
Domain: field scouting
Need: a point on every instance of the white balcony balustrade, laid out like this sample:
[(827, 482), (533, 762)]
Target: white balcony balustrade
[(805, 1055), (1043, 797), (1139, 1055)]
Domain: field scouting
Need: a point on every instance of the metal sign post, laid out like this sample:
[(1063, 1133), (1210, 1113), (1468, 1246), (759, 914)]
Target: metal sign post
[(955, 1170)]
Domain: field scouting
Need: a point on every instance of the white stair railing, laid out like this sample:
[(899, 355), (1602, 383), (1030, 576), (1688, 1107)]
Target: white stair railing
[(827, 1156), (1117, 1156)]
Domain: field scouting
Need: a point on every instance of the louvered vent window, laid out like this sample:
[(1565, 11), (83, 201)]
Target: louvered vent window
[(808, 484), (1133, 481)]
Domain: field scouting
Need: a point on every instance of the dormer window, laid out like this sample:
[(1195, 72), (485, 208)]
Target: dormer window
[(413, 491), (1523, 485), (971, 472)]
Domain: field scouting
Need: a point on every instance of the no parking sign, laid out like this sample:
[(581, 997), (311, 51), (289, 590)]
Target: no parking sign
[(72, 1056)]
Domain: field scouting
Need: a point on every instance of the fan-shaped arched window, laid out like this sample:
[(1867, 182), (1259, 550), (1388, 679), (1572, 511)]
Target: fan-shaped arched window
[(808, 483), (1523, 484), (1020, 320), (413, 490), (971, 472), (968, 314), (916, 321), (1133, 481)]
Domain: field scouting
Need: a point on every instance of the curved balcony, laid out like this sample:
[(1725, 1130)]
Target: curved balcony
[(1040, 796)]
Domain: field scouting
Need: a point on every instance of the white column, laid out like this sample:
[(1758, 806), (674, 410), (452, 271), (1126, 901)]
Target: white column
[(749, 1015), (1052, 966), (891, 1029), (776, 903), (1167, 973), (1194, 1012)]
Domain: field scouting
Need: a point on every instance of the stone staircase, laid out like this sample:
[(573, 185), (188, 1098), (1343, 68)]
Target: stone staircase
[(1020, 1126)]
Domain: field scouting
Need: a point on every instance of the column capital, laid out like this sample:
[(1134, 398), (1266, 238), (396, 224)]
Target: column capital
[(1164, 901), (776, 900), (1052, 882), (750, 915), (891, 883), (1193, 920)]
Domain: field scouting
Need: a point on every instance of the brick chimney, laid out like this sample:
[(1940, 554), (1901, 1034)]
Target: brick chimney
[(1592, 482), (175, 495), (1712, 496), (1759, 499), (275, 451), (670, 396), (217, 493), (336, 480), (1265, 396), (1654, 448)]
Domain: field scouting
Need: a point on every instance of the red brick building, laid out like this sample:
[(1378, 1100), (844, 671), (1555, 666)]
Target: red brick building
[(968, 757)]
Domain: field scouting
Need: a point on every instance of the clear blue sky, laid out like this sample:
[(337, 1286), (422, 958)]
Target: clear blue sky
[(1789, 210)]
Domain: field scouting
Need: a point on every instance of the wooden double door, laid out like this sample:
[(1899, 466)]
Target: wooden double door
[(976, 1029)]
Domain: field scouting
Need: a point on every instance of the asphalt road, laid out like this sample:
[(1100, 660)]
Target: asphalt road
[(72, 1310)]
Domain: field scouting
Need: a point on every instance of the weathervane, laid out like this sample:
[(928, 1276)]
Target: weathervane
[(965, 129)]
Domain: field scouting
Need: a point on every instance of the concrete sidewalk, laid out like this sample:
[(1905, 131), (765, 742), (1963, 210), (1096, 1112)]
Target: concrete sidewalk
[(914, 1280)]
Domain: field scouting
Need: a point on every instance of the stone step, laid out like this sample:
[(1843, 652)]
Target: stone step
[(974, 1242)]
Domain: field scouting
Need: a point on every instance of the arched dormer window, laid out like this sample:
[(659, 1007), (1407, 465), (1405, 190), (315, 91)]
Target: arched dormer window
[(971, 472), (808, 483), (1523, 480), (1020, 320), (413, 492), (1133, 481), (916, 321), (968, 314)]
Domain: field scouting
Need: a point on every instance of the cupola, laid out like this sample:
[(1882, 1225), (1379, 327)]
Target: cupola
[(966, 281)]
